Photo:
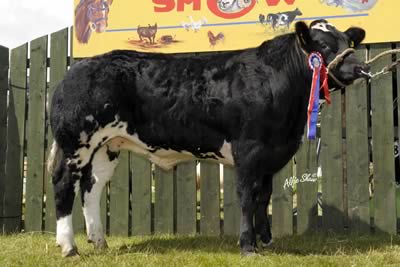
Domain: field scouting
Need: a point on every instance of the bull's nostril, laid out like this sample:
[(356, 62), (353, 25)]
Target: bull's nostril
[(360, 69)]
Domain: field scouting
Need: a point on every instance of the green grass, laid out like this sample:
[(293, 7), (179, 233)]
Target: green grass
[(40, 250)]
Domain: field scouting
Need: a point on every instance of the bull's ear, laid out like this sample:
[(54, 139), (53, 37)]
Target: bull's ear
[(304, 37), (356, 35)]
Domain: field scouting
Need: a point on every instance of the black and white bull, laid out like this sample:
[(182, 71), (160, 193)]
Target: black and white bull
[(247, 108)]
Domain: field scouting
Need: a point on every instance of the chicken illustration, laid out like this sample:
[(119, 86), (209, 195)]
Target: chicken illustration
[(214, 39)]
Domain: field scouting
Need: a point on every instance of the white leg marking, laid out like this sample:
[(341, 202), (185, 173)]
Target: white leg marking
[(102, 169), (65, 236)]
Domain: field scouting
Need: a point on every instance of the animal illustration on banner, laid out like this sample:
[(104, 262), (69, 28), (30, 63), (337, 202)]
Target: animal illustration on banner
[(284, 19), (215, 38), (207, 25), (147, 38), (351, 5), (193, 25), (91, 16), (148, 32), (232, 6)]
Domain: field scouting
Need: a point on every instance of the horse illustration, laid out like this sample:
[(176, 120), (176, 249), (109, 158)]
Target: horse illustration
[(232, 6), (91, 15), (351, 5), (147, 32)]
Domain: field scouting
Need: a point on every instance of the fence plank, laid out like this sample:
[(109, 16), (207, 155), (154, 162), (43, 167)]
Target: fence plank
[(306, 160), (58, 63), (35, 135), (209, 199), (186, 198), (231, 203), (332, 165), (383, 137), (119, 197), (164, 201), (141, 195), (357, 155), (4, 65), (282, 202), (397, 159), (12, 203)]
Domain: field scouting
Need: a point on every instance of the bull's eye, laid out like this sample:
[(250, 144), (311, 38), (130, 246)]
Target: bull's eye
[(324, 46)]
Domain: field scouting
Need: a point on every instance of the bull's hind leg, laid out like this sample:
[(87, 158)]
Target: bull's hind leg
[(262, 225), (65, 182), (102, 168)]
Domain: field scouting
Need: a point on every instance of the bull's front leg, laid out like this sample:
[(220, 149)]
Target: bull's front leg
[(248, 207), (249, 156), (263, 227)]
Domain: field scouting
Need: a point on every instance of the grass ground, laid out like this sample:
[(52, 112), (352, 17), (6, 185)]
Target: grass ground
[(40, 250)]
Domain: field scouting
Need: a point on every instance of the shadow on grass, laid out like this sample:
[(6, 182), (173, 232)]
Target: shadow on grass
[(304, 245), (332, 244), (325, 238), (166, 244)]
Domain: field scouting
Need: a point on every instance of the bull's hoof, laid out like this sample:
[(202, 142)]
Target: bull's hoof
[(99, 244), (249, 254), (70, 252), (247, 251), (102, 244), (266, 244)]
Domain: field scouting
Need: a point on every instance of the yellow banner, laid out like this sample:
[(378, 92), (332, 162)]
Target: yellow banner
[(171, 26)]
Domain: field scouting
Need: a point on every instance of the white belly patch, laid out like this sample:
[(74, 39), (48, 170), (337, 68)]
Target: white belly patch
[(167, 158), (117, 138)]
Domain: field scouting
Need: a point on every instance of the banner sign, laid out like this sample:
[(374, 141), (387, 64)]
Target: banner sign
[(172, 26)]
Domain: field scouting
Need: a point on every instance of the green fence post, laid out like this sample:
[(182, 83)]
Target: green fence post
[(4, 66), (164, 201), (231, 203), (35, 135), (12, 202), (282, 202), (382, 139), (307, 210), (332, 165), (209, 199), (186, 198), (357, 154), (119, 197), (141, 195)]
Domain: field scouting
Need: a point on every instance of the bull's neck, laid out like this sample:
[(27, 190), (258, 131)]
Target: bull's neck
[(286, 56)]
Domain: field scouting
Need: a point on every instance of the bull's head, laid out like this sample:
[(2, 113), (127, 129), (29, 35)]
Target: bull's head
[(324, 38)]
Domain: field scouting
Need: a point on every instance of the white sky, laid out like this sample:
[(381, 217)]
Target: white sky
[(24, 20)]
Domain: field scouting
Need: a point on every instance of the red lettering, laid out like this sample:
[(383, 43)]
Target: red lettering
[(276, 2), (213, 6), (181, 4), (168, 5)]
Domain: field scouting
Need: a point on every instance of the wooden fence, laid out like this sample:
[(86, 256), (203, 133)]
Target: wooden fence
[(143, 199)]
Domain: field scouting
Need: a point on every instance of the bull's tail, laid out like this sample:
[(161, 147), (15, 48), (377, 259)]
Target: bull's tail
[(54, 158)]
